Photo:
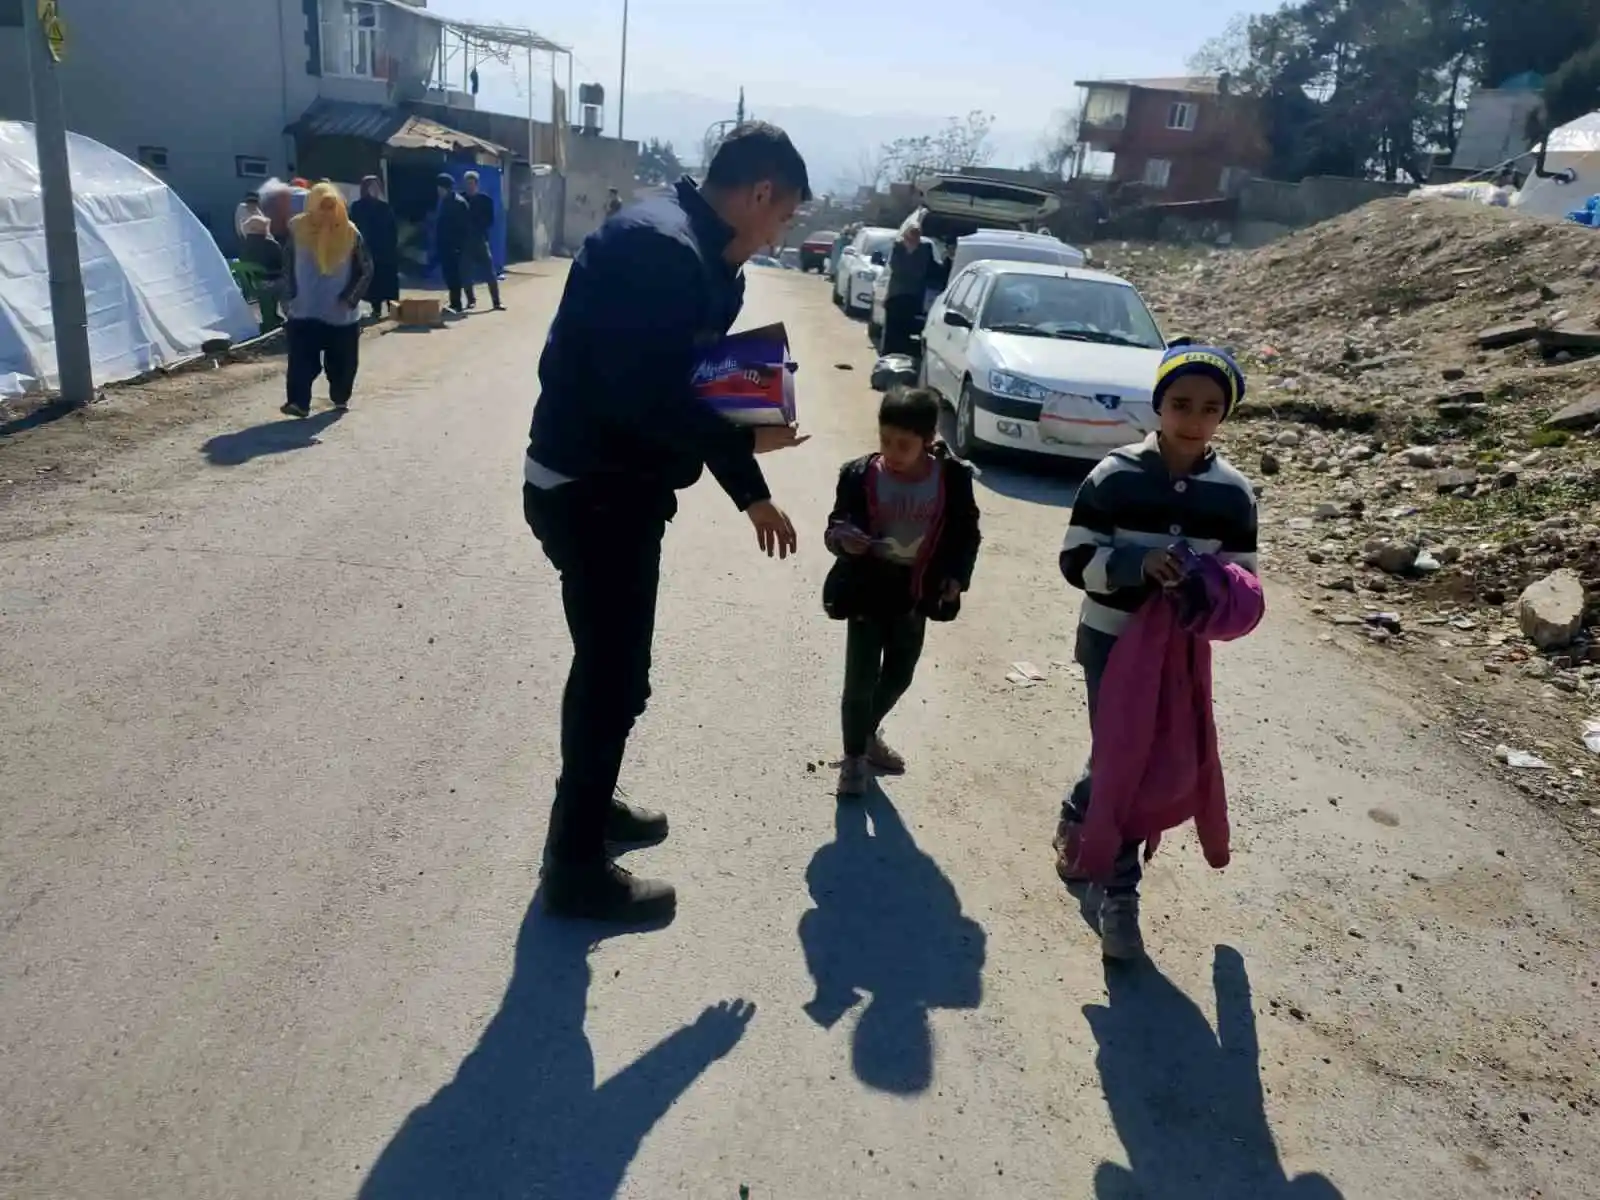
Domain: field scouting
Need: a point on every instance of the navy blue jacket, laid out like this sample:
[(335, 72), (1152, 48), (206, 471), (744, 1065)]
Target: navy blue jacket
[(648, 289)]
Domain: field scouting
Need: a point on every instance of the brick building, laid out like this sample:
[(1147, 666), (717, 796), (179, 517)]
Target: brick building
[(1184, 138)]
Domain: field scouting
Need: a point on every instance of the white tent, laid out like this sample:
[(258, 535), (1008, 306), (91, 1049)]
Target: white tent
[(157, 286), (1574, 148)]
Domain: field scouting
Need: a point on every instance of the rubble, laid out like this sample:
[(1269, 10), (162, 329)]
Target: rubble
[(1551, 610)]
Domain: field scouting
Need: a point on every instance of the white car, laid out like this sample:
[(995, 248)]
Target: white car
[(1049, 359), (860, 264)]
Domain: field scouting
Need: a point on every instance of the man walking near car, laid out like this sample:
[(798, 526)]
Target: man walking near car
[(617, 431), (910, 267), (477, 257), (452, 229)]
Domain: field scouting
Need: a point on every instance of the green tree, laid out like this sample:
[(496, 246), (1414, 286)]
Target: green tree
[(658, 163)]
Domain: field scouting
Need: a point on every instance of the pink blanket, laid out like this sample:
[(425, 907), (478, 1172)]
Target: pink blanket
[(1154, 763)]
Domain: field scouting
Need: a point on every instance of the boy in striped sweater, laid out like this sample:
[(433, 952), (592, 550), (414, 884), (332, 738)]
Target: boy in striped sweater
[(1135, 506)]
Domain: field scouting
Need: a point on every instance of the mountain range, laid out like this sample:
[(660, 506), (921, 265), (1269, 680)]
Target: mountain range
[(835, 144)]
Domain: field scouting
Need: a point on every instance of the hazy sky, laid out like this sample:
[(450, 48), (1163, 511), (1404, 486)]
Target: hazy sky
[(1015, 58)]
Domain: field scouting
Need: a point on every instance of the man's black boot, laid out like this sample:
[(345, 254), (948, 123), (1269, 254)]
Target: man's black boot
[(603, 891), (629, 825)]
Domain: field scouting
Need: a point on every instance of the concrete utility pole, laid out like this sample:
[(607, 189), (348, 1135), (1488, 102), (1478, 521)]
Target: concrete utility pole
[(68, 310), (622, 82)]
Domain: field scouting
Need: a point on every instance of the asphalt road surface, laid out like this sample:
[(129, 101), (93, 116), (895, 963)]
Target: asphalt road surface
[(277, 735)]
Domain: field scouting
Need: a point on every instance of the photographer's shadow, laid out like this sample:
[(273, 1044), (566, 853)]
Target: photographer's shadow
[(524, 1115), (889, 923), (1187, 1102)]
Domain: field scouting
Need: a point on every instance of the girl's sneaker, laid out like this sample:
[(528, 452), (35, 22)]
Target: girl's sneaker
[(882, 757), (1120, 938), (854, 775)]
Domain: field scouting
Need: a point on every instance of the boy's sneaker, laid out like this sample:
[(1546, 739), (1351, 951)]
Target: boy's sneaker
[(1120, 938), (854, 775), (291, 409), (1069, 836), (603, 891), (882, 757)]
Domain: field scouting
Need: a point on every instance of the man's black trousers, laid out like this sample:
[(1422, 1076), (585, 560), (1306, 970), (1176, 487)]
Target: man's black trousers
[(606, 543)]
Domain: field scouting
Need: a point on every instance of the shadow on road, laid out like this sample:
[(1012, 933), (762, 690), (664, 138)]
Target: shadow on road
[(273, 437), (889, 923), (1187, 1102), (524, 1115), (1045, 481)]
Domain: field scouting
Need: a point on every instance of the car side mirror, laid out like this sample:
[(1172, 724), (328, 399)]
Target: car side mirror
[(957, 320), (1175, 343)]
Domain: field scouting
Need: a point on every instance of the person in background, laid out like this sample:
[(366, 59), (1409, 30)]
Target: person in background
[(617, 431), (261, 250), (452, 229), (1126, 517), (477, 256), (905, 528), (326, 272), (910, 265), (249, 207), (281, 202), (373, 216), (613, 203)]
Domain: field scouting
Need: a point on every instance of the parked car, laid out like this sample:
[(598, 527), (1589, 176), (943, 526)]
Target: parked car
[(859, 266), (831, 266), (762, 260), (1011, 245), (959, 206), (789, 258), (815, 249), (1048, 359)]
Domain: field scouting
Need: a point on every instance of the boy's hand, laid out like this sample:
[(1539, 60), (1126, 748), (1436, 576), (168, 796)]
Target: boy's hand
[(774, 531), (1163, 567), (778, 437), (851, 540), (951, 592)]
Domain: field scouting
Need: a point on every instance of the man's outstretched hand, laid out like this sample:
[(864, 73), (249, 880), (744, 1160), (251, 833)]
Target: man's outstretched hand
[(774, 531), (778, 437)]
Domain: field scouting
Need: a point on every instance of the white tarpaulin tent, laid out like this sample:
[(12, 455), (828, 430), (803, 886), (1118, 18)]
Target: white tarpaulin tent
[(157, 286), (1574, 149)]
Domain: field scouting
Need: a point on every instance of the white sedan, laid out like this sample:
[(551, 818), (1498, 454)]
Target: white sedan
[(860, 264), (1038, 357)]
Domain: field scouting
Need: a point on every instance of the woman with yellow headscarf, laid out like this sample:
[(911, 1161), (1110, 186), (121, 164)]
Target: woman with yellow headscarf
[(326, 272)]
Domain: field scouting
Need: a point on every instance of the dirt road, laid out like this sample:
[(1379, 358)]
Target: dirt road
[(278, 709)]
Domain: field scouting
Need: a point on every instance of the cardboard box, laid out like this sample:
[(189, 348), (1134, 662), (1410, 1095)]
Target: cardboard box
[(420, 311), (749, 378)]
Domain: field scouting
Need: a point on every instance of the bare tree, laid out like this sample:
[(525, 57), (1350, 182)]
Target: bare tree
[(1226, 54), (963, 142), (1059, 145)]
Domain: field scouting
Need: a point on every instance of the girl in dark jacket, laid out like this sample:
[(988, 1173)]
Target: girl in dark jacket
[(905, 529)]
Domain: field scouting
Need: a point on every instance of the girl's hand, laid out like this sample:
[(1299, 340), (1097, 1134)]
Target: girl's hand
[(851, 541), (952, 591)]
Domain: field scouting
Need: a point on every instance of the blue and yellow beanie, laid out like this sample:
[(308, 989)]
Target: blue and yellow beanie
[(1201, 360)]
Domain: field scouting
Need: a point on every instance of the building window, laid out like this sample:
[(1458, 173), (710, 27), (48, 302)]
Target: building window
[(352, 39), (1157, 171), (250, 167), (153, 157), (1182, 115)]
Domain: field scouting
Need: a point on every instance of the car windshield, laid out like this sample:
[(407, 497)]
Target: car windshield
[(1082, 310)]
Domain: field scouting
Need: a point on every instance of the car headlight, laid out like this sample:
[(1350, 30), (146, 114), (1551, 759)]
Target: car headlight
[(1004, 383)]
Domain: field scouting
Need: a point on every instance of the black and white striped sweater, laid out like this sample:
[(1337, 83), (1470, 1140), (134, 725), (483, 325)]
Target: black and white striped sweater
[(1131, 504)]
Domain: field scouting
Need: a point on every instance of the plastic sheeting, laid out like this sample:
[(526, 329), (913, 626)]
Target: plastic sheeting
[(1575, 149), (157, 286)]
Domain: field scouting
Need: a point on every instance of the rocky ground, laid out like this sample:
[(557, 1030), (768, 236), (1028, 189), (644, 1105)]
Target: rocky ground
[(1422, 422)]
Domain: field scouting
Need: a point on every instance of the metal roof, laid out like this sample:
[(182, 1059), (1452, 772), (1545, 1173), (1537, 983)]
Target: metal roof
[(1204, 85), (503, 35), (387, 126)]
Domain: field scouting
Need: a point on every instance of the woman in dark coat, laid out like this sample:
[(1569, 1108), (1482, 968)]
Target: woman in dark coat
[(375, 219)]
